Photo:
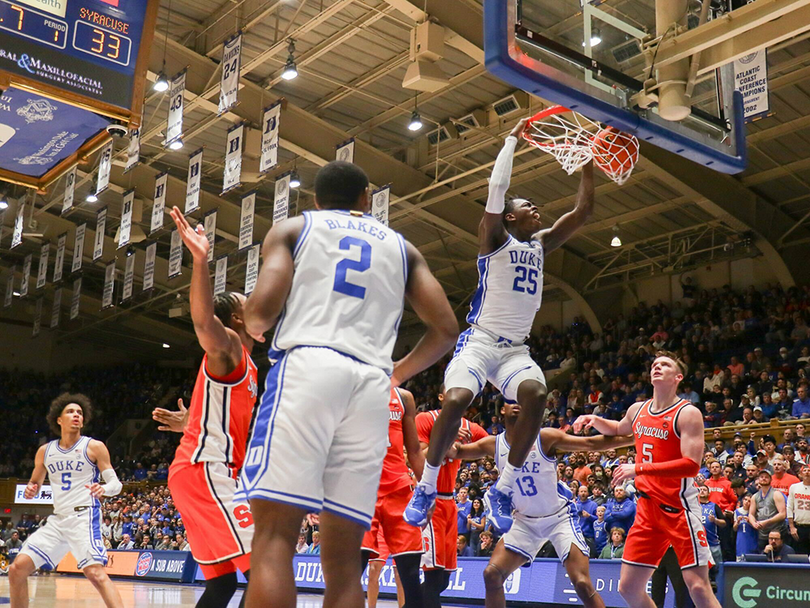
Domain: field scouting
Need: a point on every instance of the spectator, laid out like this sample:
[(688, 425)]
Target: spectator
[(463, 504), (182, 543), (801, 406), (776, 549), (621, 511), (798, 512), (713, 519), (139, 473), (146, 543), (301, 546), (477, 522), (767, 512), (487, 544), (719, 489), (746, 534), (315, 547), (802, 453), (600, 533), (13, 545), (126, 543), (8, 531), (587, 515), (615, 548), (782, 480), (463, 549)]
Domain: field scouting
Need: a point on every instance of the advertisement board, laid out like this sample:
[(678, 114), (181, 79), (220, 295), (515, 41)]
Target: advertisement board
[(766, 585), (177, 566), (43, 497)]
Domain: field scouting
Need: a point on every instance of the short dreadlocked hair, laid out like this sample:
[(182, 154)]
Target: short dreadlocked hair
[(59, 404), (225, 304)]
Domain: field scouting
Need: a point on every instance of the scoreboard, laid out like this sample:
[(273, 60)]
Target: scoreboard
[(90, 53)]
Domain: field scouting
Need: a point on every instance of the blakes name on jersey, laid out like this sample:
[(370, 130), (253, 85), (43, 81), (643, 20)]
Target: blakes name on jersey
[(364, 227)]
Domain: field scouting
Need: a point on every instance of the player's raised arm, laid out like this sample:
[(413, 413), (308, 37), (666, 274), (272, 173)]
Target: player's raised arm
[(608, 427), (99, 454), (410, 436), (565, 227), (491, 231), (426, 296), (38, 475), (555, 439), (473, 451)]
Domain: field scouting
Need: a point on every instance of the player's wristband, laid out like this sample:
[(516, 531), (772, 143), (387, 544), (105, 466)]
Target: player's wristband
[(682, 467)]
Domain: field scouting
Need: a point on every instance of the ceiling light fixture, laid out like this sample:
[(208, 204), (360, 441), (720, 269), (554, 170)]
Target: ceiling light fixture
[(91, 197), (616, 241), (3, 201), (290, 71), (416, 122), (596, 37), (161, 84), (176, 144), (166, 345), (295, 181)]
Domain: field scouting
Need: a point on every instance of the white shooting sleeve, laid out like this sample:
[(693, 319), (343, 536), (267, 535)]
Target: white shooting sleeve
[(501, 174), (112, 485)]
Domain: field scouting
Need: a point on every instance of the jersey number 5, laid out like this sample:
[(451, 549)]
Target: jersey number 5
[(65, 482), (646, 452), (341, 284), (526, 280)]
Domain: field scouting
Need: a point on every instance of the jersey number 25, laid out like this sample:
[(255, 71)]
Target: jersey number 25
[(526, 280)]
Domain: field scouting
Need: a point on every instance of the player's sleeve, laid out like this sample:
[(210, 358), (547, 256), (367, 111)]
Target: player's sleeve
[(477, 431), (424, 424)]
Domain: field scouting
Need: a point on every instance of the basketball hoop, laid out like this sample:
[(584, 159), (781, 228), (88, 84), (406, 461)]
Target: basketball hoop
[(574, 140)]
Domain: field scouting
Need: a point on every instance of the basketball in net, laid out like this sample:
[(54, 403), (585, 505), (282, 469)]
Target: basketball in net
[(615, 152)]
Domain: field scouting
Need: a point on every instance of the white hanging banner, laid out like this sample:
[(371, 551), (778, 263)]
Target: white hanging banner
[(345, 151), (19, 223), (193, 181), (231, 66), (149, 267), (233, 158), (98, 242), (104, 167), (221, 275), (57, 308), (252, 268), (129, 277), (37, 319), (70, 190), (281, 203), (246, 220), (59, 263), (76, 298), (42, 269), (125, 229), (78, 248), (176, 255), (379, 204), (109, 286), (174, 126), (210, 224), (9, 288), (26, 275), (159, 206), (751, 79), (270, 126), (133, 149)]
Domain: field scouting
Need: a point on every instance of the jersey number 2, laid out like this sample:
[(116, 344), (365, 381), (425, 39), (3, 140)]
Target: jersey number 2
[(341, 284), (526, 280)]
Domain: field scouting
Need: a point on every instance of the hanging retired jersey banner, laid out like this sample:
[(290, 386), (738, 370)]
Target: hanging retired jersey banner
[(149, 267), (193, 181), (25, 275), (125, 229), (231, 66), (174, 126), (9, 287), (221, 275), (59, 263), (233, 158), (37, 319), (98, 243), (379, 204), (345, 151), (109, 286), (19, 223), (104, 167), (133, 149), (176, 255), (281, 203), (42, 269), (129, 277), (246, 220), (70, 190), (252, 268), (57, 308), (78, 248), (210, 225), (270, 126), (76, 298), (159, 207)]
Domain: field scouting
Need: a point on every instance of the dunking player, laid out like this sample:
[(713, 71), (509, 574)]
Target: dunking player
[(669, 442), (215, 428), (402, 542), (332, 284), (539, 515), (440, 536), (510, 287), (74, 464)]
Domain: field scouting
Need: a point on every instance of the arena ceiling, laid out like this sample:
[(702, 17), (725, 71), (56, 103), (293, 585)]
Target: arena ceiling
[(352, 56)]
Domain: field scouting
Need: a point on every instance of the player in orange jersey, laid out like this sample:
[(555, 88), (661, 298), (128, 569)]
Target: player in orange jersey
[(668, 434), (215, 428), (403, 541)]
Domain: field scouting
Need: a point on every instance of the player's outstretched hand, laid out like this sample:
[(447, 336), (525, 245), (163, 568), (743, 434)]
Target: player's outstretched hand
[(31, 490), (96, 490), (624, 473), (171, 421), (452, 453), (583, 422), (517, 131), (194, 239), (464, 436)]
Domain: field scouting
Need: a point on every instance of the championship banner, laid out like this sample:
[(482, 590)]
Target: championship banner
[(42, 269), (25, 276), (231, 66), (133, 149), (159, 206), (70, 189), (125, 229), (59, 263), (57, 308), (129, 277), (9, 288), (104, 167), (221, 275), (193, 181), (37, 319), (109, 286), (252, 268), (751, 79), (281, 203), (174, 124), (149, 267), (98, 242), (379, 204), (345, 151), (78, 248), (176, 255), (246, 220), (76, 298), (271, 120), (210, 224), (19, 222), (233, 158)]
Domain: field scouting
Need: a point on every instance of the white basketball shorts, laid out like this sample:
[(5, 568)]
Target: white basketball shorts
[(79, 533), (320, 435), (481, 356), (528, 534)]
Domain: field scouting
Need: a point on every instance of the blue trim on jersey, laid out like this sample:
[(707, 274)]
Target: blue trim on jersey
[(42, 554), (302, 236), (477, 304), (521, 552), (284, 498), (509, 239), (463, 338), (338, 509), (349, 509), (70, 449), (512, 375)]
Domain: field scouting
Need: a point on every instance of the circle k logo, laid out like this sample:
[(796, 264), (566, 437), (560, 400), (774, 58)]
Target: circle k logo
[(745, 592)]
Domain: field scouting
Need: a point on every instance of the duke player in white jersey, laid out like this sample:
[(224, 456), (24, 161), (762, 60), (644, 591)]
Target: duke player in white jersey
[(512, 251), (74, 464), (540, 514), (332, 284)]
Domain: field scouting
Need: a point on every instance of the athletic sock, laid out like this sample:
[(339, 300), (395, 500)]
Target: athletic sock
[(218, 591), (507, 478), (429, 476)]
